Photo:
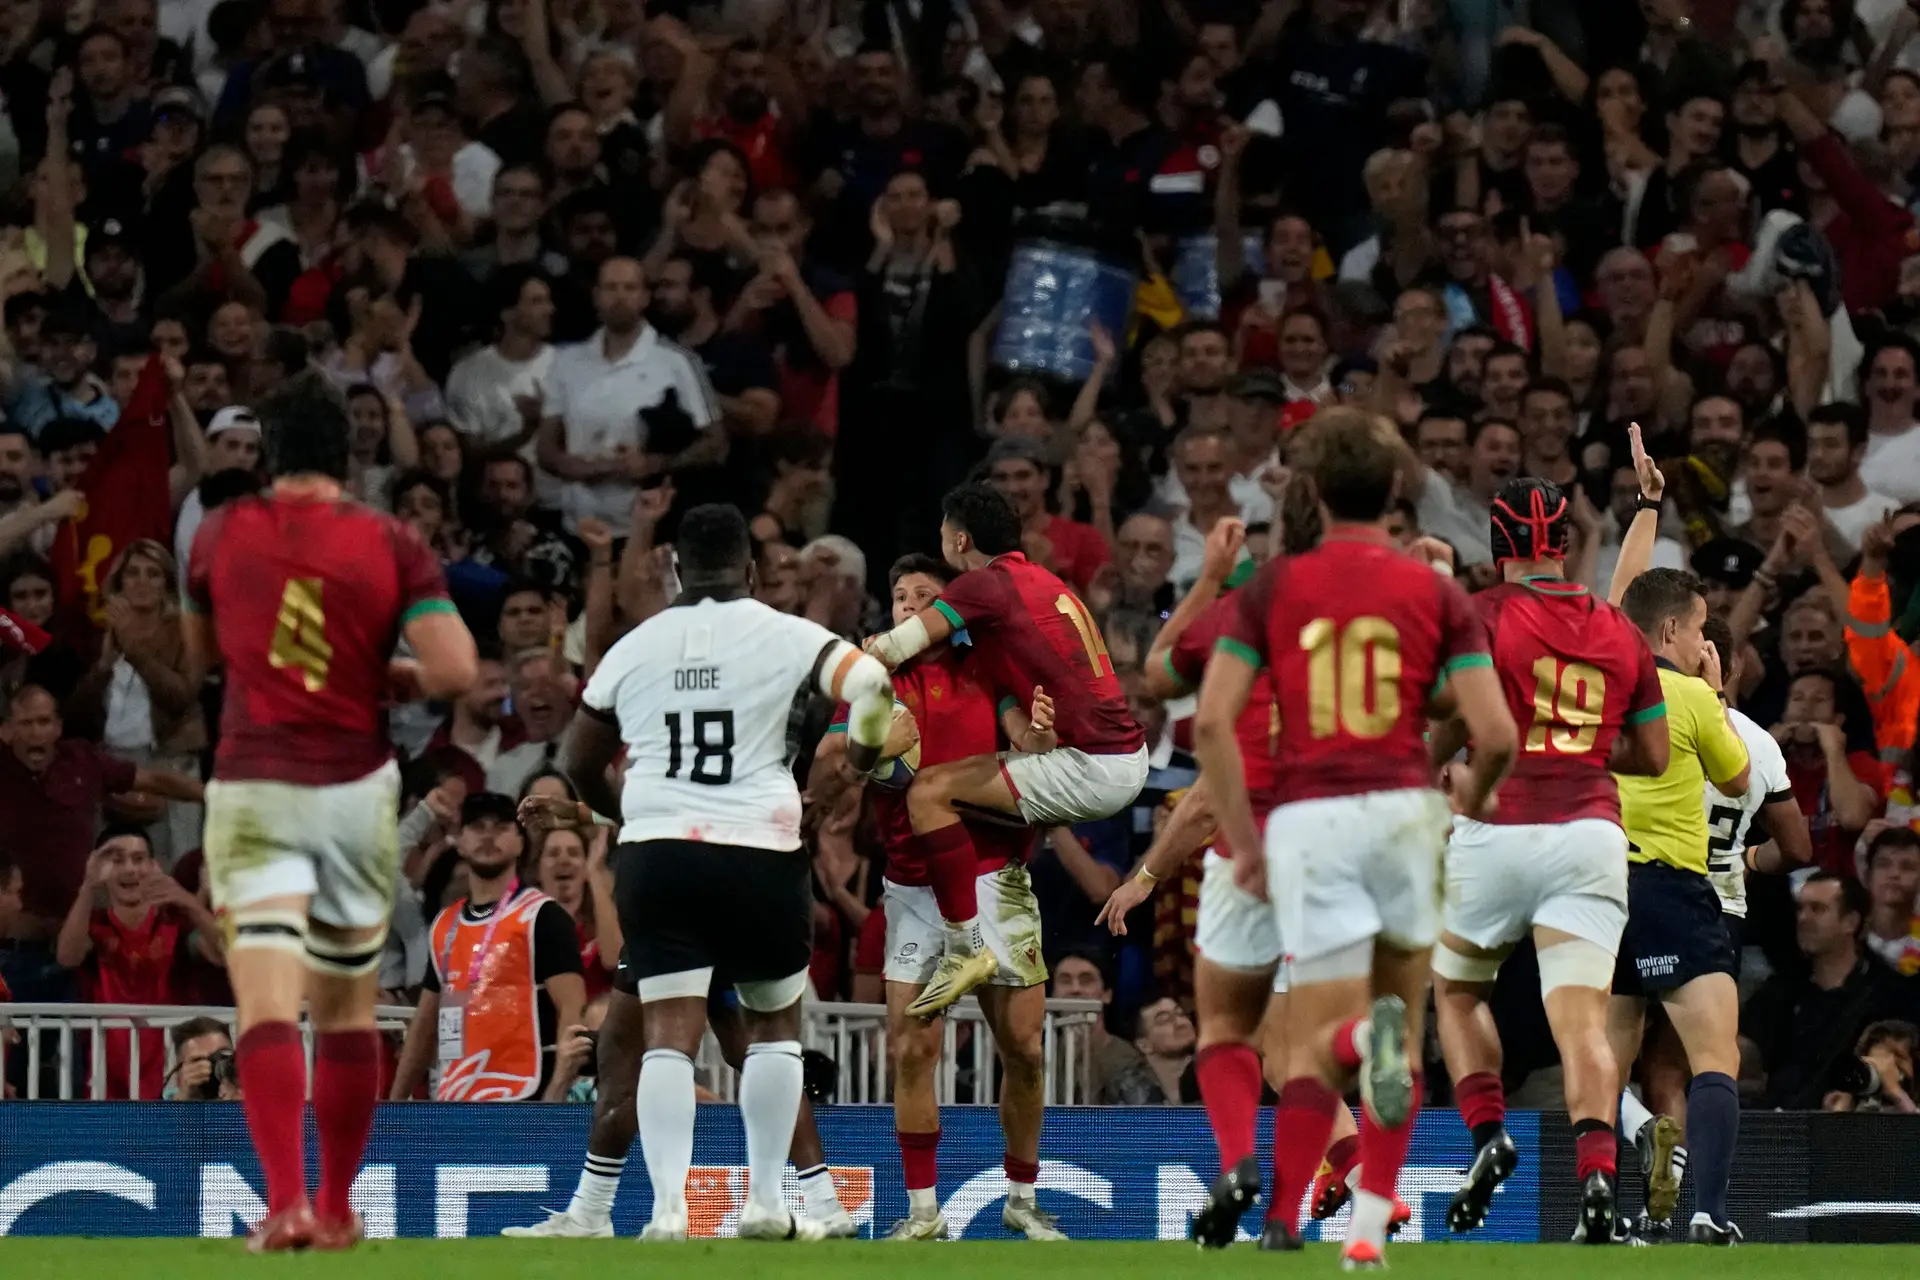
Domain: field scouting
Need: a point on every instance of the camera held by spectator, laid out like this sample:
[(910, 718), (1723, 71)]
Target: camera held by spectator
[(204, 1066)]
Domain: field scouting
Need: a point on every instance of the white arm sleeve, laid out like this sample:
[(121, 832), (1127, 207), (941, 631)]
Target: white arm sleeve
[(858, 679), (905, 641)]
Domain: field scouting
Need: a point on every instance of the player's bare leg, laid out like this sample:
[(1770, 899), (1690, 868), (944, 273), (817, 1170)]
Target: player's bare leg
[(267, 967), (1706, 1014), (666, 1104), (772, 1089), (934, 802), (1470, 1044), (343, 987), (590, 1214), (1657, 1125), (1017, 1017), (808, 1153), (1229, 1004), (913, 1049)]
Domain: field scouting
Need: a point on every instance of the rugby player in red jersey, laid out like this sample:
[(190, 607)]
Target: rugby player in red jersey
[(1553, 858), (303, 595), (1357, 634), (950, 715), (1031, 635)]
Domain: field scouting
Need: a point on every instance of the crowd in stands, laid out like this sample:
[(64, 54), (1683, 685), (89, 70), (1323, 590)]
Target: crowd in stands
[(575, 265)]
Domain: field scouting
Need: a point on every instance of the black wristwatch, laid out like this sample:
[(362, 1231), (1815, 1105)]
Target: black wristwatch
[(1642, 502)]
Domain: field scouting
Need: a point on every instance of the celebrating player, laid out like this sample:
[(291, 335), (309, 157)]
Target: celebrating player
[(711, 869), (1029, 633), (1553, 858), (950, 715), (1357, 635), (303, 596)]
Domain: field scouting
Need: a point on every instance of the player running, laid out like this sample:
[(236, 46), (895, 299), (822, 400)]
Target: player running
[(1357, 635), (711, 870), (1552, 860), (1029, 632), (948, 714), (303, 595)]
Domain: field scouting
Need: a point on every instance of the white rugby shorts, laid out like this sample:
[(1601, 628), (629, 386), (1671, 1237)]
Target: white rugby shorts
[(1347, 869), (1503, 879), (1236, 930), (1009, 921), (1063, 786), (338, 845)]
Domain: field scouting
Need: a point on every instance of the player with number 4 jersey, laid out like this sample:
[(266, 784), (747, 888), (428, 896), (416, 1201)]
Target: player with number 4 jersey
[(1030, 634), (303, 595), (1357, 634), (1552, 860)]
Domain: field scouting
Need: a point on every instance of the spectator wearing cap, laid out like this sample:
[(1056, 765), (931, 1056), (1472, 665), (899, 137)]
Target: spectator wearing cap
[(455, 173), (1017, 466), (505, 975), (232, 450), (64, 385), (179, 120), (1836, 447), (301, 60)]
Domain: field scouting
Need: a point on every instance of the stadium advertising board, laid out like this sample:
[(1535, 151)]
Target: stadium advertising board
[(186, 1169)]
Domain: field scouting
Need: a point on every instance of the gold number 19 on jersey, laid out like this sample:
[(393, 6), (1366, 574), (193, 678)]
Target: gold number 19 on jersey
[(1568, 706), (299, 634)]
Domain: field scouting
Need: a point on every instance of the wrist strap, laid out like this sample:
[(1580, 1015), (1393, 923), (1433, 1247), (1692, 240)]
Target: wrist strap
[(1146, 877), (1642, 502)]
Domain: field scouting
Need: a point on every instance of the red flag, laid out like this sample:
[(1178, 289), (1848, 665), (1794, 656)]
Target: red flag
[(128, 498), (17, 633)]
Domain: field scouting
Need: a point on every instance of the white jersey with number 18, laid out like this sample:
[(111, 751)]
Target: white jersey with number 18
[(702, 692), (1730, 820)]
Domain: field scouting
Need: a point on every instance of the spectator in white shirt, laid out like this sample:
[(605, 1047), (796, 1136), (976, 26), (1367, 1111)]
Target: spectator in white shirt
[(1887, 385), (494, 393), (609, 399), (1253, 402), (1203, 460), (1836, 447)]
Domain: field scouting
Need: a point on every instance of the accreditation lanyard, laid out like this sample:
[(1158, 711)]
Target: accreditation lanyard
[(451, 1041)]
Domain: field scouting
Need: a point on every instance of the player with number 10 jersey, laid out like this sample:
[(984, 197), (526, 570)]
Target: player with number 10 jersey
[(1029, 633)]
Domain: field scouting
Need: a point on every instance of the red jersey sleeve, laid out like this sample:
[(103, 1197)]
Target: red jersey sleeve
[(200, 561), (977, 598), (1463, 637), (1243, 627), (1187, 660), (423, 584)]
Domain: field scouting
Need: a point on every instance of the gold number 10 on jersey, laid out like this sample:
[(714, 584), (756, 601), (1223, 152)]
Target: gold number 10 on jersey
[(1339, 686), (1568, 706)]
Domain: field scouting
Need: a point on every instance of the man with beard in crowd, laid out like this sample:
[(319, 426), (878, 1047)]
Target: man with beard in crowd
[(733, 99), (741, 370)]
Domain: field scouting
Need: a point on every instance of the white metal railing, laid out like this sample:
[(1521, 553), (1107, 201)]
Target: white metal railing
[(66, 1023), (854, 1036)]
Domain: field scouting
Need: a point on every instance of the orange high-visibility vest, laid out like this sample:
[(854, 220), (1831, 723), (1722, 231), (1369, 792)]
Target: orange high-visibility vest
[(500, 1055)]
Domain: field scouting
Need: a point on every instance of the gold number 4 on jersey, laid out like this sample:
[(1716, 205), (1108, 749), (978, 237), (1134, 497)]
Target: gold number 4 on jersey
[(299, 635)]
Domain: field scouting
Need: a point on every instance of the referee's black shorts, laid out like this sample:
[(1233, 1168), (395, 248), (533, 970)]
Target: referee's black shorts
[(745, 913), (1675, 932)]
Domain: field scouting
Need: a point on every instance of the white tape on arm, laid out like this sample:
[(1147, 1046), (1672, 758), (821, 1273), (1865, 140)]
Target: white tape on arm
[(903, 642), (869, 696)]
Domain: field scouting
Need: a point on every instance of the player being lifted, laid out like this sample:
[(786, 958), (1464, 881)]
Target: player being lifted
[(1030, 633), (949, 714), (1552, 859), (303, 595), (1357, 634), (711, 870)]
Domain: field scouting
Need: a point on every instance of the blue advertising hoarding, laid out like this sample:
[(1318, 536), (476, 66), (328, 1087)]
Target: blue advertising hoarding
[(187, 1169)]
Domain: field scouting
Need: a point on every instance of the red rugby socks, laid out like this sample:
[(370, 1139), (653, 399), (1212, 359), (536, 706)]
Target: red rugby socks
[(273, 1084)]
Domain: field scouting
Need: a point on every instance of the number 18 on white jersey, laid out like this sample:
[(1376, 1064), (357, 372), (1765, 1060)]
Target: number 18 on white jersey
[(702, 693)]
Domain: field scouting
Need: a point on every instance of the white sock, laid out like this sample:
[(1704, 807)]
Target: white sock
[(667, 1105), (923, 1202), (1370, 1216), (770, 1082), (1022, 1191), (816, 1188), (1634, 1115), (1353, 1180), (964, 937), (1679, 1164), (599, 1183)]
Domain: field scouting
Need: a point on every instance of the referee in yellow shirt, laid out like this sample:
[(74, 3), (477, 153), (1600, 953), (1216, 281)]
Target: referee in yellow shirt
[(1676, 949)]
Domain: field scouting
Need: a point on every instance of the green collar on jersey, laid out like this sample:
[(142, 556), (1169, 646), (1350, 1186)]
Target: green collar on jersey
[(1549, 585)]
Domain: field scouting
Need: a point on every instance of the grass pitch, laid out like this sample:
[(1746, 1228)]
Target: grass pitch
[(42, 1258)]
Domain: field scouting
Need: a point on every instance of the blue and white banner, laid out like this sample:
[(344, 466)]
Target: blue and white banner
[(187, 1169)]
